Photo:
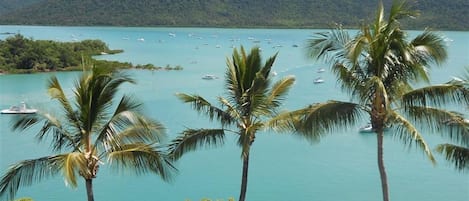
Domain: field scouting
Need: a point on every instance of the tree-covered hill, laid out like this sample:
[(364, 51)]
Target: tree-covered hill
[(437, 14)]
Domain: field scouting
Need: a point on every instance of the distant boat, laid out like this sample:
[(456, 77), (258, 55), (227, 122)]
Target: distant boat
[(209, 77), (321, 70), (141, 39), (369, 129), (318, 80), (172, 34), (21, 109), (366, 129), (273, 73)]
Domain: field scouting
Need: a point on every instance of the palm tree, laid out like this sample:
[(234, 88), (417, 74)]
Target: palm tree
[(376, 67), (90, 133), (250, 102)]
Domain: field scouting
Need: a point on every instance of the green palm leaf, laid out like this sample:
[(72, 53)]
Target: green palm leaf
[(459, 156), (279, 90), (202, 105), (141, 158), (193, 139), (438, 95), (27, 172), (446, 123), (319, 119), (408, 134)]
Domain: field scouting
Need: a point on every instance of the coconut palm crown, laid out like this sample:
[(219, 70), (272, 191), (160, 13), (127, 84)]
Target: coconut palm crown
[(92, 131), (251, 101), (377, 67)]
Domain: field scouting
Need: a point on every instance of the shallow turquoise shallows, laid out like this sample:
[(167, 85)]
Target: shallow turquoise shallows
[(342, 167)]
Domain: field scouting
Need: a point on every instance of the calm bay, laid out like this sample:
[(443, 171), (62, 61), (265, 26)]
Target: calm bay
[(283, 167)]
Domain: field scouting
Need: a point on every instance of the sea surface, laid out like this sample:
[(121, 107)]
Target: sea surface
[(284, 167)]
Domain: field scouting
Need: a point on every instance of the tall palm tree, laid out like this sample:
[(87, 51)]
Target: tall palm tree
[(250, 102), (91, 131), (376, 67)]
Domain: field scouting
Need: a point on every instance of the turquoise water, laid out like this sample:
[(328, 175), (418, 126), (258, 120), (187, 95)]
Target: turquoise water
[(283, 167)]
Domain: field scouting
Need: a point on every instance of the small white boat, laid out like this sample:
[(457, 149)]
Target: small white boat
[(209, 77), (318, 80), (369, 129), (21, 109), (366, 129), (321, 70)]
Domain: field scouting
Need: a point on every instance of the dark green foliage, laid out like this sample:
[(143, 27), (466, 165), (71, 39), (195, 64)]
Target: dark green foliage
[(20, 54), (436, 14)]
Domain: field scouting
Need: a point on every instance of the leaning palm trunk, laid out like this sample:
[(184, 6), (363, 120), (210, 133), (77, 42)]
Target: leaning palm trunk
[(382, 171), (244, 179)]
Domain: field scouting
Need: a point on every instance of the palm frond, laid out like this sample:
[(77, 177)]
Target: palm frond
[(142, 158), (351, 80), (127, 125), (61, 137), (401, 9), (430, 47), (319, 119), (279, 90), (73, 163), (449, 124), (328, 45), (192, 139), (56, 92), (408, 134), (94, 94), (202, 105), (27, 172), (437, 95), (457, 155)]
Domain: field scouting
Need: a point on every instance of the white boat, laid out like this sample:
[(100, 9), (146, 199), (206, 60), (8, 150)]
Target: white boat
[(321, 70), (209, 77), (366, 129), (21, 109), (318, 80), (369, 129)]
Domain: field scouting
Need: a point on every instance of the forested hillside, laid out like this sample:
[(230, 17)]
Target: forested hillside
[(437, 14)]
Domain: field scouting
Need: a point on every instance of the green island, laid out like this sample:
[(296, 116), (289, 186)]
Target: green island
[(19, 54)]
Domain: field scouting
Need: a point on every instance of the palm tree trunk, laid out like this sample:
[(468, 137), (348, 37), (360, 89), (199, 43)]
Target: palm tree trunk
[(89, 189), (382, 171), (244, 179)]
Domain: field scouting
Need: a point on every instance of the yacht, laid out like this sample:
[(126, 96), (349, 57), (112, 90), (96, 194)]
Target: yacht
[(21, 109), (318, 80)]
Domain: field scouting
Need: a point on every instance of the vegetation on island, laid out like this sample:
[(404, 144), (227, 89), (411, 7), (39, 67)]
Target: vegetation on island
[(19, 54), (438, 14)]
